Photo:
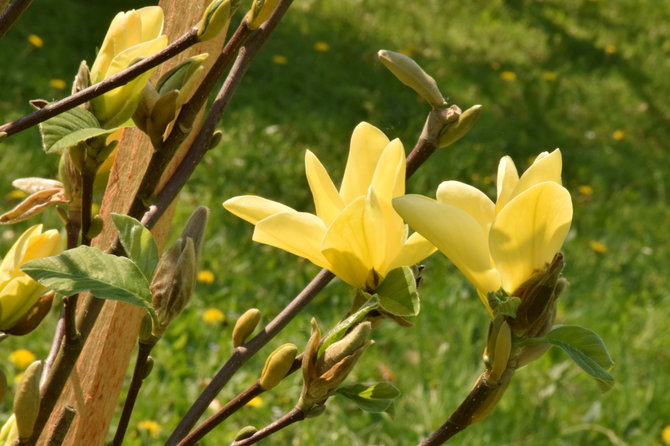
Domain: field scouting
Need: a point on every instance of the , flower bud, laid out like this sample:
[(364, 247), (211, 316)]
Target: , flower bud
[(38, 104), (216, 19), (173, 283), (34, 316), (215, 140), (33, 205), (260, 11), (315, 411), (146, 335), (132, 36), (27, 400), (19, 292), (183, 78), (277, 366), (309, 358), (245, 325), (44, 192), (455, 131), (195, 228), (538, 295), (162, 114), (499, 348), (411, 74), (323, 373), (175, 275), (530, 352), (69, 168), (346, 346), (245, 432), (148, 367), (31, 185), (144, 107), (82, 80), (9, 432), (159, 105), (95, 228)]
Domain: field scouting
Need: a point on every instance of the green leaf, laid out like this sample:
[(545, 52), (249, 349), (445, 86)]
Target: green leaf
[(89, 269), (138, 242), (586, 348), (371, 398), (398, 294), (341, 328), (70, 128), (391, 409)]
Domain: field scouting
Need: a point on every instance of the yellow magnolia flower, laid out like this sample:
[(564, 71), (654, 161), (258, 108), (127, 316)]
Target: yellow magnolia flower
[(497, 245), (132, 36), (18, 292), (355, 233)]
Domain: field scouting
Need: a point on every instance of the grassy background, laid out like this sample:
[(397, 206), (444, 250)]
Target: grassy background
[(589, 77)]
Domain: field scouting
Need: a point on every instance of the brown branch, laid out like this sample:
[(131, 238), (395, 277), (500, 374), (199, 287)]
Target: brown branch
[(69, 319), (67, 342), (293, 416), (140, 372), (242, 354), (70, 302), (59, 333), (12, 13), (184, 123), (62, 426), (428, 142), (55, 381), (462, 416), (88, 314), (231, 407), (481, 400), (187, 40), (67, 357)]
